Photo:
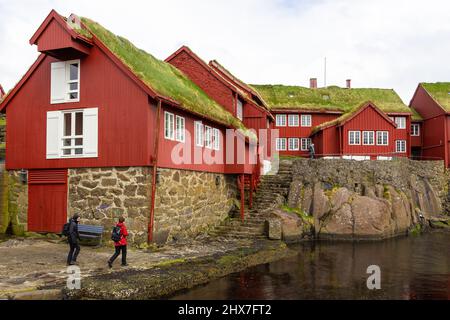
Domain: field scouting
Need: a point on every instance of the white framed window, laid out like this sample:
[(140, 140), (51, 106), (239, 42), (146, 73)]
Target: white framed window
[(368, 137), (239, 110), (382, 138), (208, 137), (306, 120), (72, 133), (169, 125), (280, 120), (65, 81), (415, 130), (281, 144), (293, 120), (400, 146), (199, 134), (401, 122), (293, 144), (354, 138), (216, 139), (305, 143), (179, 129)]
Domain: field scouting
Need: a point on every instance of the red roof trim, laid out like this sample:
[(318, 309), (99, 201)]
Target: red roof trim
[(364, 107), (54, 15), (282, 110), (22, 81)]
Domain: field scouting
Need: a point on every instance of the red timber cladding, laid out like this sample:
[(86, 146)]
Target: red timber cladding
[(300, 132), (125, 137), (416, 141), (425, 104), (204, 78), (434, 138), (55, 37), (403, 134), (327, 142)]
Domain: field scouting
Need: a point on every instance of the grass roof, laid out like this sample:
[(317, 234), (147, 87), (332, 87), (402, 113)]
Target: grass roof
[(415, 115), (162, 77), (440, 91), (332, 98)]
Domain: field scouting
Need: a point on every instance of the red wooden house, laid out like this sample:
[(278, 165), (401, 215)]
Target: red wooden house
[(341, 122), (240, 99), (432, 103), (105, 129)]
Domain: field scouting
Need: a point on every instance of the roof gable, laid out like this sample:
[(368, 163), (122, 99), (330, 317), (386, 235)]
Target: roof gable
[(440, 92)]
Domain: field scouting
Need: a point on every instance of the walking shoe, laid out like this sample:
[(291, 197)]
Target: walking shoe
[(109, 264), (73, 263), (124, 265)]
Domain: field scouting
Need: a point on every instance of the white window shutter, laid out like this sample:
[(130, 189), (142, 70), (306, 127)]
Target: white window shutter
[(90, 132), (53, 134), (58, 82)]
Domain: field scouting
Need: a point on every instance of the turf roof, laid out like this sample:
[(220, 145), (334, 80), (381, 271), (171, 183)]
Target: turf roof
[(332, 98), (162, 77), (440, 91)]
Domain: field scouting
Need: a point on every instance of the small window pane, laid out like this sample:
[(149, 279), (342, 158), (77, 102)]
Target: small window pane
[(67, 142), (74, 71), (67, 124), (67, 152), (78, 123), (78, 141), (78, 151), (73, 86), (73, 95)]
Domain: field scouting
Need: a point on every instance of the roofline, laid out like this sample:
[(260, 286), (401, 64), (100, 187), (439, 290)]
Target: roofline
[(55, 15), (22, 81), (432, 98), (186, 49), (287, 110)]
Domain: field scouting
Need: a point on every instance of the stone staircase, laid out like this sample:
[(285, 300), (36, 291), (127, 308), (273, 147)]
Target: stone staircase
[(270, 193)]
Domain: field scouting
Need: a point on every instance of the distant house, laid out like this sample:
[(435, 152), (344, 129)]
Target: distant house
[(244, 102), (355, 123), (431, 102), (103, 128)]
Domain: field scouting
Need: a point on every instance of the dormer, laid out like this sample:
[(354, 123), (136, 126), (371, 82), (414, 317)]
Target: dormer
[(62, 38)]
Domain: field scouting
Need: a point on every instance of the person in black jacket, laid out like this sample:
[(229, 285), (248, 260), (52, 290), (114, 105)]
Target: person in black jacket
[(73, 238)]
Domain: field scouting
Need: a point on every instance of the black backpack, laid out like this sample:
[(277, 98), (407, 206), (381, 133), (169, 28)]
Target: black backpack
[(66, 228), (116, 235)]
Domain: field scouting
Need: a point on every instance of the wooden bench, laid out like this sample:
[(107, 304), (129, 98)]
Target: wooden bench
[(88, 232)]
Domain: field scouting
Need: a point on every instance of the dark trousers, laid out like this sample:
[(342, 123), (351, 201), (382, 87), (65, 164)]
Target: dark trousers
[(73, 253), (116, 254)]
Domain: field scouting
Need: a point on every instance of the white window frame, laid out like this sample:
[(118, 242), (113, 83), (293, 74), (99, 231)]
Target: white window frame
[(56, 138), (401, 122), (67, 82), (353, 136), (239, 110), (180, 127), (169, 125), (305, 143), (415, 130), (306, 120), (208, 137), (400, 146), (293, 120), (216, 139), (370, 135), (199, 134), (293, 144), (280, 120), (380, 136), (281, 144)]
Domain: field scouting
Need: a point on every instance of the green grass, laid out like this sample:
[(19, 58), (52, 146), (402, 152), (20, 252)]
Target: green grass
[(303, 215), (332, 98), (440, 92), (162, 77), (2, 121)]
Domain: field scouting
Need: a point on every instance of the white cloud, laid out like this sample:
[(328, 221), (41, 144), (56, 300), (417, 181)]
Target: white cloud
[(383, 43)]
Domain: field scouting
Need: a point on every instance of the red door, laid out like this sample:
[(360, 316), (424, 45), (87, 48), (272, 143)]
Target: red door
[(47, 200)]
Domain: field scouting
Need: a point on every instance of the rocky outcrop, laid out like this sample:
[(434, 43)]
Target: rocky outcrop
[(365, 200)]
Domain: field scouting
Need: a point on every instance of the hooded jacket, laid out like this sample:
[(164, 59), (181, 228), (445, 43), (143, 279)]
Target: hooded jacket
[(123, 235), (74, 235)]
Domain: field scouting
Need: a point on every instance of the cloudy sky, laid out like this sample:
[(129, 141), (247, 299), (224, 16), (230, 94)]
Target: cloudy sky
[(382, 43)]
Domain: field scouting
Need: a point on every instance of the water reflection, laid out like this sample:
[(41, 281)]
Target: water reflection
[(411, 268)]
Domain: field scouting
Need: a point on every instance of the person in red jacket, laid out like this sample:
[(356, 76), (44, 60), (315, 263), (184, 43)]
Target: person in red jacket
[(120, 245)]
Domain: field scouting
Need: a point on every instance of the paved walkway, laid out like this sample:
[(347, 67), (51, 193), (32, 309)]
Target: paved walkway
[(27, 264)]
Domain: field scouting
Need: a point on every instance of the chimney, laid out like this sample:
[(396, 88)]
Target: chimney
[(313, 83), (349, 83)]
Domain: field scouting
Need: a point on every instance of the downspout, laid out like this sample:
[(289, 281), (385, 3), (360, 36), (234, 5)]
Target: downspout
[(155, 168)]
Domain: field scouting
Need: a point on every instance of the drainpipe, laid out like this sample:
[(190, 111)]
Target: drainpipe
[(155, 168)]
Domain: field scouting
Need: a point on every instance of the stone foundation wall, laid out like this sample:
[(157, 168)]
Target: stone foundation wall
[(102, 195), (186, 204), (191, 202)]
